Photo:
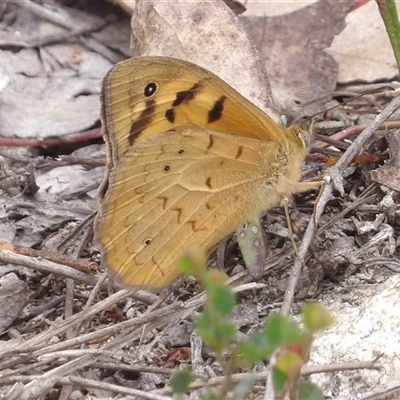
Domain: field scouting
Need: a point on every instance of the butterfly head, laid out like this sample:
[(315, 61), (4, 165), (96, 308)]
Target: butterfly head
[(299, 135)]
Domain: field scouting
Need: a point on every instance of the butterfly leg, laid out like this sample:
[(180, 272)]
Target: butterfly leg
[(284, 204), (321, 185), (305, 186), (320, 191), (302, 187)]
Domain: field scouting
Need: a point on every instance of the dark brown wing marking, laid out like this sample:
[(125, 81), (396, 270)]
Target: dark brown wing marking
[(216, 112), (239, 152), (164, 200), (179, 211), (187, 95), (145, 119), (153, 260), (193, 223), (211, 142), (170, 115)]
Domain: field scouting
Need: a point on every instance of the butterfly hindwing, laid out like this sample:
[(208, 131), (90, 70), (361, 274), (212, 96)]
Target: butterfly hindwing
[(170, 192)]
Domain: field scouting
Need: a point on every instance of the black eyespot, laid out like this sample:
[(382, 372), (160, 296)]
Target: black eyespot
[(150, 89), (167, 167), (147, 241), (181, 151)]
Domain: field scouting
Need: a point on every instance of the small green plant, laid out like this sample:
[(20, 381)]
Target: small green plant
[(279, 335)]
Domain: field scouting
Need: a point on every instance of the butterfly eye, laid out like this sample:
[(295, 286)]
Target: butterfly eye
[(147, 241), (167, 167), (181, 151), (306, 137), (150, 89)]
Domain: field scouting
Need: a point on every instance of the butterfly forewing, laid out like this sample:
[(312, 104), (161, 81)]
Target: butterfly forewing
[(185, 95)]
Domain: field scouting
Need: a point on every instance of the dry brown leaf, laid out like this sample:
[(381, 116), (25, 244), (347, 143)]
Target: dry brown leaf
[(389, 174), (287, 41), (276, 7)]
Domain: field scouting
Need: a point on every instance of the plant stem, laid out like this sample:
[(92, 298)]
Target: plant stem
[(388, 11)]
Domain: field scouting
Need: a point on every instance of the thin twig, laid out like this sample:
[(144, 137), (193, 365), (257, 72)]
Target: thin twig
[(384, 394), (78, 137), (46, 266)]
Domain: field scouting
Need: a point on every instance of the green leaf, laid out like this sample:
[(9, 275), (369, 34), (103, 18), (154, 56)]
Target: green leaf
[(227, 332), (309, 391), (256, 348), (210, 395), (222, 299), (244, 387), (180, 381), (185, 264), (280, 331), (193, 262), (214, 330), (316, 317), (289, 363), (204, 328), (278, 380)]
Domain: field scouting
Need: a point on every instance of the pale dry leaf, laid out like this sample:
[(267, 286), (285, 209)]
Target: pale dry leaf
[(29, 221), (13, 298), (52, 90), (68, 180), (363, 49), (70, 190), (129, 5), (49, 106), (116, 36)]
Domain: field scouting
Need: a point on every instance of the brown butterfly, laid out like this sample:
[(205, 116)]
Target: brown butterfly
[(189, 160)]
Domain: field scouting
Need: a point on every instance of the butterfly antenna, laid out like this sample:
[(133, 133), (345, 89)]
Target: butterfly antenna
[(306, 73), (347, 101)]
